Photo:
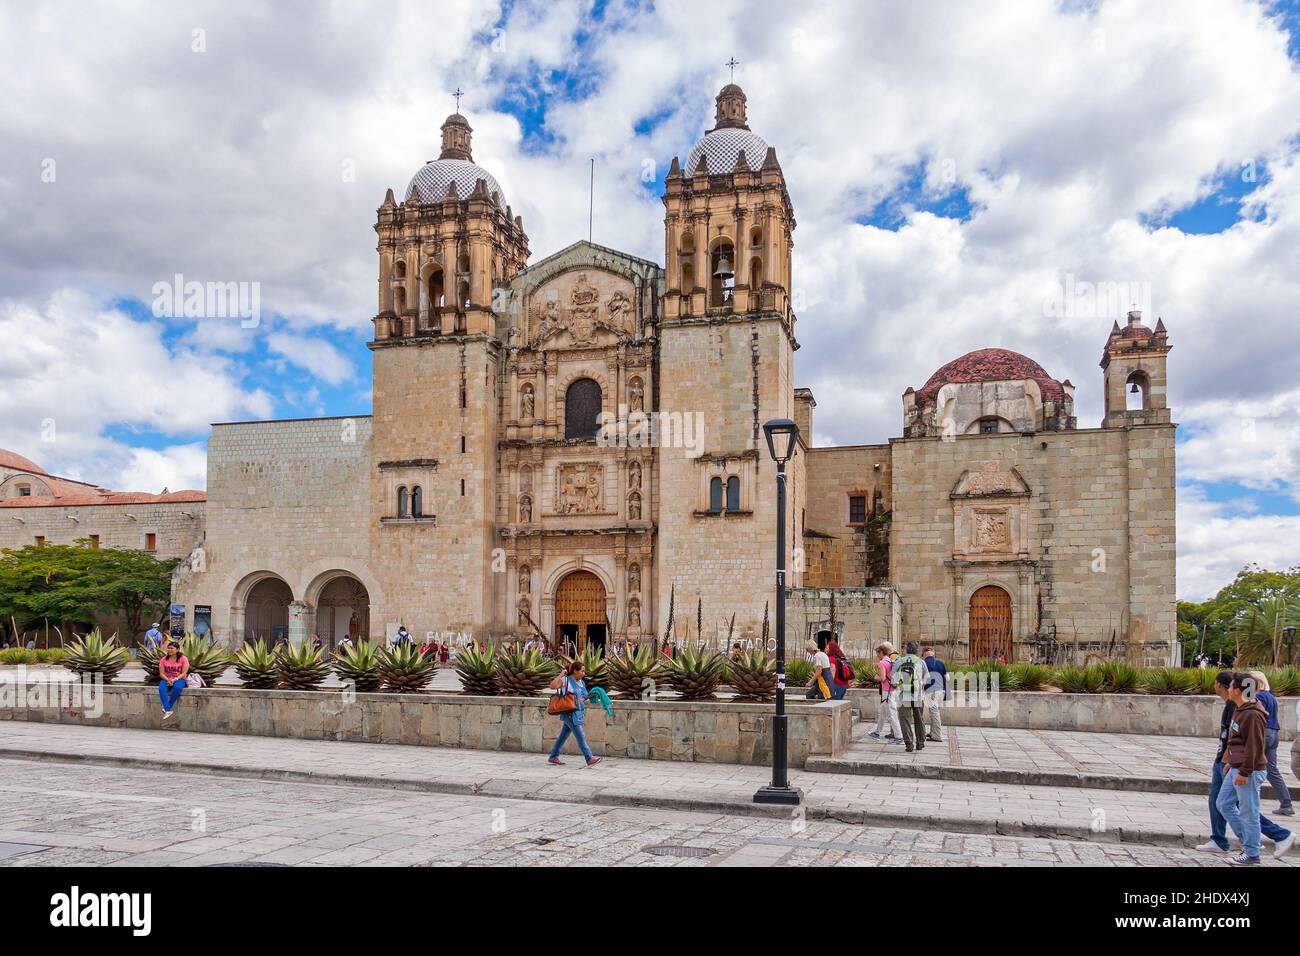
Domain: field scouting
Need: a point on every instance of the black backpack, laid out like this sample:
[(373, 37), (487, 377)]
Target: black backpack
[(843, 671)]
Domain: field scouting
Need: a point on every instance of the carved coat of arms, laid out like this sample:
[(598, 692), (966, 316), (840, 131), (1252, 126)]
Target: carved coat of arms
[(578, 489)]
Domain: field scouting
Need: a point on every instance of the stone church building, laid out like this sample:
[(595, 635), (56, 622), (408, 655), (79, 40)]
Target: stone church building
[(572, 446)]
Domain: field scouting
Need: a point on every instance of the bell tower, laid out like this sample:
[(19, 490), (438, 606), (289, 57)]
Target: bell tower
[(727, 361), (437, 359), (1134, 367)]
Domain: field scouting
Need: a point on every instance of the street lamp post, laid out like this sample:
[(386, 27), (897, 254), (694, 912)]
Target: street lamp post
[(782, 434)]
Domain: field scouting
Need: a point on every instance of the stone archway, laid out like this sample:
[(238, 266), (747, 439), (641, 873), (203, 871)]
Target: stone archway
[(266, 610), (580, 610), (342, 609)]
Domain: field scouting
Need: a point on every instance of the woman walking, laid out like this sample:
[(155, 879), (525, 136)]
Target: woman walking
[(173, 668), (571, 683)]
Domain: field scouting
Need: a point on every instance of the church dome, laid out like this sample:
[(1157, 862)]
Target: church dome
[(455, 164), (722, 147), (16, 462), (433, 181), (990, 365)]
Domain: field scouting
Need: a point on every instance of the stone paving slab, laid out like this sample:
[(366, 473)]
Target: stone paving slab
[(1050, 758), (1092, 815)]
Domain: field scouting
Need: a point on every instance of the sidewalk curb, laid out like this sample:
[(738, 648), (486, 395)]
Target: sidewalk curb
[(738, 805)]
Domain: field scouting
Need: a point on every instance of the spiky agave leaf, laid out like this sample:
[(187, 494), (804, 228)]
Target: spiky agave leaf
[(206, 658), (523, 673), (477, 670), (628, 673), (404, 669), (594, 665), (752, 675), (301, 667), (694, 673), (97, 654), (360, 665), (256, 665)]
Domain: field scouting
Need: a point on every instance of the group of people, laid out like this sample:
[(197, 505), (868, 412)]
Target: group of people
[(913, 687), (1249, 731)]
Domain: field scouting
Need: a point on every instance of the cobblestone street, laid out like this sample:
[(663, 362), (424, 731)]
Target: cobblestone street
[(85, 815)]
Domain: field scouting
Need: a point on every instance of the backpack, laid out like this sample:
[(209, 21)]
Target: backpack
[(843, 671), (904, 675)]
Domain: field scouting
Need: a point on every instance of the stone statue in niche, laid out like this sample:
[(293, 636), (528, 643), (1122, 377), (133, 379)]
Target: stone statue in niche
[(992, 531), (527, 402), (525, 579), (620, 310), (525, 509), (634, 476), (634, 614), (634, 507), (636, 395), (586, 307), (579, 489), (634, 578)]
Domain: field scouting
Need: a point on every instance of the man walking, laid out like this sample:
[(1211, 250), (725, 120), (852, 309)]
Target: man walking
[(1245, 769), (153, 637), (936, 692), (909, 676), (1272, 733), (1218, 841)]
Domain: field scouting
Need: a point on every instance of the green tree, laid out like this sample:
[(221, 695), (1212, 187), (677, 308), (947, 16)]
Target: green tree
[(1247, 617), (56, 585)]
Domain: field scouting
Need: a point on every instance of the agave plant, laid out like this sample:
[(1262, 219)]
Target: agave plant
[(97, 654), (694, 674), (865, 673), (1205, 679), (523, 673), (404, 669), (752, 675), (1030, 676), (148, 657), (1074, 679), (595, 669), (798, 672), (301, 666), (477, 670), (206, 658), (1121, 677), (1283, 681), (257, 665), (628, 673), (360, 665), (1169, 680)]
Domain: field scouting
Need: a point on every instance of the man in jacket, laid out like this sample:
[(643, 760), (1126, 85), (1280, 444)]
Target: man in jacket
[(909, 677), (1246, 765)]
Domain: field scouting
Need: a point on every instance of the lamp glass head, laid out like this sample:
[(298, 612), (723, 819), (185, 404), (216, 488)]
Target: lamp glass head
[(782, 433)]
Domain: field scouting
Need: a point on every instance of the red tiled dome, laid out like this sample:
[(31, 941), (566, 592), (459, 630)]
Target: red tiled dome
[(990, 365), (11, 459)]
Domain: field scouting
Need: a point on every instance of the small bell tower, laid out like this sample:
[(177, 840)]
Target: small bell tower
[(1134, 367)]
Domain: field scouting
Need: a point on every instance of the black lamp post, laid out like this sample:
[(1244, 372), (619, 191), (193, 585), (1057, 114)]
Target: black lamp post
[(781, 434)]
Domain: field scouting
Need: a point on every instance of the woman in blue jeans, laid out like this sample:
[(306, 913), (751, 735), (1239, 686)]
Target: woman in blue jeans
[(173, 668), (571, 682)]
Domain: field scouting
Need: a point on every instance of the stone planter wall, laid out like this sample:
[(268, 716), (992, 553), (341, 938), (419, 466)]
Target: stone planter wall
[(1194, 716), (714, 732)]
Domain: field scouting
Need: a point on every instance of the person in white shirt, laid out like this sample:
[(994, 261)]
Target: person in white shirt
[(823, 680)]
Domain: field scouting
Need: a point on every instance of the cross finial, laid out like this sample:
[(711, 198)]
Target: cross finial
[(732, 64), (458, 94)]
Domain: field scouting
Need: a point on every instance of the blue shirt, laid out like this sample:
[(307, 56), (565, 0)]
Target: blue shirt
[(1270, 705), (578, 688), (153, 637), (937, 678)]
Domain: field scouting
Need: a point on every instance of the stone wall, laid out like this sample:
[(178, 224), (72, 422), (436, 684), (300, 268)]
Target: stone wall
[(863, 618), (286, 499), (1093, 555), (841, 553), (709, 732)]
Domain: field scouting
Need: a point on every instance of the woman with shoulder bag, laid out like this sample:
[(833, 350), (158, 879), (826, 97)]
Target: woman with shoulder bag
[(570, 704)]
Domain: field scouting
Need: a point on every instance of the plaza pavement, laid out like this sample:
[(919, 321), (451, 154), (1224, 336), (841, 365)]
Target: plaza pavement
[(1077, 813)]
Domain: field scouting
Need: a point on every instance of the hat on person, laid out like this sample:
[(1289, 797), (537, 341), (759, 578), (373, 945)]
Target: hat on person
[(154, 624), (812, 646)]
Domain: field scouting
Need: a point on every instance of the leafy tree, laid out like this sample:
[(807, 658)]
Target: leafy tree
[(58, 584), (1247, 617)]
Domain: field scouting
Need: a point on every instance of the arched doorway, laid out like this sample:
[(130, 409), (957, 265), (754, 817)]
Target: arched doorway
[(990, 623), (343, 610), (580, 611), (266, 611)]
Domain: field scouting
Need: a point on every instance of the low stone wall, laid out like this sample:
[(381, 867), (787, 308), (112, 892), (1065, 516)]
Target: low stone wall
[(1191, 716), (706, 731)]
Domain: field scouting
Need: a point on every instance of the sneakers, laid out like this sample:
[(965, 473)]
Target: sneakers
[(1279, 850), (874, 735), (594, 760), (167, 715), (1242, 860), (1286, 811), (1209, 846), (934, 740), (895, 741), (555, 761)]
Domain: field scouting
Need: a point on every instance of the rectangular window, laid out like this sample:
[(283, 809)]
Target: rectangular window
[(94, 542), (462, 487), (462, 444), (24, 491), (857, 509), (988, 426), (151, 541)]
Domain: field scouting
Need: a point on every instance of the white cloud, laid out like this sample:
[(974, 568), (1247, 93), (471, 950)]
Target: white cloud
[(1213, 547), (175, 468), (317, 356)]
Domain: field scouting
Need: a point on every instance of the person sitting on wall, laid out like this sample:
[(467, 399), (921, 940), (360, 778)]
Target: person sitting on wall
[(173, 669)]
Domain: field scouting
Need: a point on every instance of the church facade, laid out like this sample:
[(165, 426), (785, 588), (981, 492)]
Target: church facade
[(574, 448)]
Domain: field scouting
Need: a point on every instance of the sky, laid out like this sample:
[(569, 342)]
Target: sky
[(963, 175)]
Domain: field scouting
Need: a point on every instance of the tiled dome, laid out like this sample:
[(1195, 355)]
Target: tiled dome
[(723, 146), (15, 461), (433, 181), (991, 365)]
